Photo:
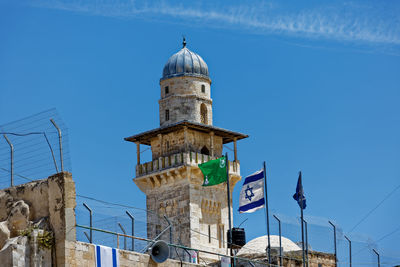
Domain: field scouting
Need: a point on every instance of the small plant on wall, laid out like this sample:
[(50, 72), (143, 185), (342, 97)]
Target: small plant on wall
[(45, 239)]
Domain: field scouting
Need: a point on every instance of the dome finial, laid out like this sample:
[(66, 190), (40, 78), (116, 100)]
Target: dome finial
[(184, 41)]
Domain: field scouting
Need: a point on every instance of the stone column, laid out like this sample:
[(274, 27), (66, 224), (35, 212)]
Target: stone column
[(62, 205), (212, 143), (235, 147), (161, 144), (138, 152), (185, 138)]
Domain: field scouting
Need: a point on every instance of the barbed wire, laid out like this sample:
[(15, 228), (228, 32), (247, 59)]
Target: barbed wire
[(35, 143)]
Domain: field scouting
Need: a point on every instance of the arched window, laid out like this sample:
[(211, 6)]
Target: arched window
[(203, 114), (205, 151), (203, 88)]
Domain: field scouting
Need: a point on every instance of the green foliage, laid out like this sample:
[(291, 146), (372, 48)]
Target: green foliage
[(45, 239)]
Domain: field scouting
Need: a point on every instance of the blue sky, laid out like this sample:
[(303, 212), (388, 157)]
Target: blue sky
[(316, 85)]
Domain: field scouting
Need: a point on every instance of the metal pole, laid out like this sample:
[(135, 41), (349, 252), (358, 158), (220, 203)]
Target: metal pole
[(306, 233), (170, 228), (229, 206), (91, 222), (302, 220), (133, 229), (60, 143), (87, 236), (379, 259), (302, 233), (123, 230), (11, 160), (267, 214), (280, 240), (334, 240), (170, 231), (349, 248)]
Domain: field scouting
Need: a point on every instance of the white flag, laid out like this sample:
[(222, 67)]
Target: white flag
[(106, 256), (252, 193)]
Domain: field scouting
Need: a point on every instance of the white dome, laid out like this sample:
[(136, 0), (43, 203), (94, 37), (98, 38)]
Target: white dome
[(259, 244)]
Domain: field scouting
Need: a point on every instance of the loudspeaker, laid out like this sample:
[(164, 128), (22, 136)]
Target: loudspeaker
[(159, 251)]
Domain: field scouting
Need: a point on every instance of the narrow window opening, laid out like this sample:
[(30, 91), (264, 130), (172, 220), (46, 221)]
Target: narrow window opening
[(203, 88), (209, 233), (167, 115), (166, 90), (203, 114)]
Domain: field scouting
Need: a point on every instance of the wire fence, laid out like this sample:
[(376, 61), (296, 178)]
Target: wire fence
[(111, 216), (30, 148)]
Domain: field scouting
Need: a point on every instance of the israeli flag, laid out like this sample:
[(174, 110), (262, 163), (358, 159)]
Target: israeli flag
[(252, 193), (106, 256)]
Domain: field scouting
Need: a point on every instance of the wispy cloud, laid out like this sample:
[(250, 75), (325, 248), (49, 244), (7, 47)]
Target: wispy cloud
[(344, 22)]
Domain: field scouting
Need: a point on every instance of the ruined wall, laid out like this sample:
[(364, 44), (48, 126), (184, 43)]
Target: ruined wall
[(52, 199)]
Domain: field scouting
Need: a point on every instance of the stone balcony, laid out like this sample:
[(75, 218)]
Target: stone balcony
[(180, 159)]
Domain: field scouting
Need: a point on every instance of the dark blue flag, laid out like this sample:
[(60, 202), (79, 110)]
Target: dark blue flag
[(299, 196)]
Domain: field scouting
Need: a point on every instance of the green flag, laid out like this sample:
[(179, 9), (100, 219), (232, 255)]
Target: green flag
[(214, 171)]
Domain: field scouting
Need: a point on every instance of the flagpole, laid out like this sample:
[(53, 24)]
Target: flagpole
[(229, 206), (267, 214), (302, 220)]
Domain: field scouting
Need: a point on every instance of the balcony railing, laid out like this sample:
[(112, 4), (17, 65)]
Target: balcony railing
[(179, 159)]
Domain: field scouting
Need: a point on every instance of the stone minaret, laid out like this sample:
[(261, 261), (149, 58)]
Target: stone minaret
[(186, 137)]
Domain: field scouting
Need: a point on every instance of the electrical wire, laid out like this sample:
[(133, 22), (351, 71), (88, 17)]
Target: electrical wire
[(372, 210)]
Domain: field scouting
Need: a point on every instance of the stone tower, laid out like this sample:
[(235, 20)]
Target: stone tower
[(186, 137)]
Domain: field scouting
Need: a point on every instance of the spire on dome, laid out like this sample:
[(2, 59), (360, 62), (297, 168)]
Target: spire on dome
[(184, 41)]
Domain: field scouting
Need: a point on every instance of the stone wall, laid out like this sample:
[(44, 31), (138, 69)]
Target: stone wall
[(173, 202), (22, 251), (175, 142), (51, 199), (290, 259), (199, 214), (80, 254), (184, 99)]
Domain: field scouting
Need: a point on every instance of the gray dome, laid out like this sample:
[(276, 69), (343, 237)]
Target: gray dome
[(185, 63)]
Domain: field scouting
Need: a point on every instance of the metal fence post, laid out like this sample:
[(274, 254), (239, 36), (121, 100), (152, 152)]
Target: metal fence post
[(87, 236), (60, 143), (133, 229), (11, 160), (349, 248), (123, 230), (334, 240), (280, 240), (379, 260), (170, 229), (91, 222)]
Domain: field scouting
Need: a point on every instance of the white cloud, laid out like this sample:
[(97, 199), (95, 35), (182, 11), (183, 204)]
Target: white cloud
[(347, 22)]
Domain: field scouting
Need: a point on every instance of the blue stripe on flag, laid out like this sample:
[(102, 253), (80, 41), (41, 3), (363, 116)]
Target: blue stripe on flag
[(98, 256), (254, 177), (114, 257), (252, 205)]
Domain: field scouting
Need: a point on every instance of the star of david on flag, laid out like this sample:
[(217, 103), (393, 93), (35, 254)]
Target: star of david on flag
[(252, 193)]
